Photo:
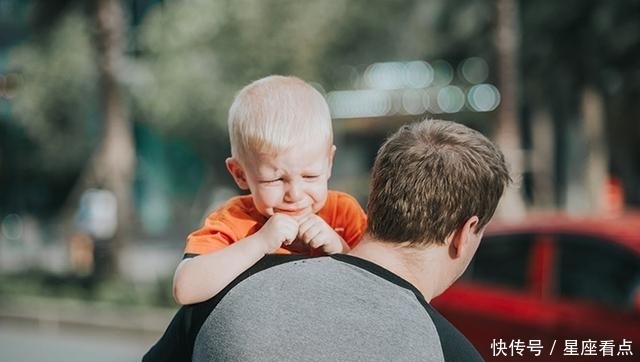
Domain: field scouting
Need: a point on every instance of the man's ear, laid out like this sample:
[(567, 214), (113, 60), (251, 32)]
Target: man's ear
[(237, 172), (464, 238)]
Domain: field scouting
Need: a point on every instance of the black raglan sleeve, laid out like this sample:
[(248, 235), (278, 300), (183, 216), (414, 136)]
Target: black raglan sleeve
[(455, 346)]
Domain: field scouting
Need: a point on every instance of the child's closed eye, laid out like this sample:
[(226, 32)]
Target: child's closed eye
[(271, 181)]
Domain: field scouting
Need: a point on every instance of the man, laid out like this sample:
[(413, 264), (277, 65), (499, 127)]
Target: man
[(435, 185)]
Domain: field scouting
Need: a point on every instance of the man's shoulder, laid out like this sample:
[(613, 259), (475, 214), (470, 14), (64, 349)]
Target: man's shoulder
[(201, 310), (321, 299), (271, 260), (267, 262)]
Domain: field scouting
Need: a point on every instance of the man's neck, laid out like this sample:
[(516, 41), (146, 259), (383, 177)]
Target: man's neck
[(418, 266)]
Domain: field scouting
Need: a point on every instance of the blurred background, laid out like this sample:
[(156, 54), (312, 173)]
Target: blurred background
[(113, 129)]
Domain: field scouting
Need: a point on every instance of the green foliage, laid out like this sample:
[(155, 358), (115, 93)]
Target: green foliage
[(55, 102), (180, 87), (192, 56), (197, 54), (589, 42), (36, 283), (189, 58)]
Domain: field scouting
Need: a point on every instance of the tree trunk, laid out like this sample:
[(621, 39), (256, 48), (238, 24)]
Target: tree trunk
[(114, 163), (596, 150), (542, 159), (507, 133)]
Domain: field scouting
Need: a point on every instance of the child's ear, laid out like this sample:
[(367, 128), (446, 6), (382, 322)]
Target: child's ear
[(332, 152), (237, 172)]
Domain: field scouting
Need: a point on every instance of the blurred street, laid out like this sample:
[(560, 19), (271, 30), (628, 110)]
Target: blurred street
[(50, 330), (21, 342)]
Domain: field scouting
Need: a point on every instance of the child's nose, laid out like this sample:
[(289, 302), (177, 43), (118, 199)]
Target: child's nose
[(294, 192)]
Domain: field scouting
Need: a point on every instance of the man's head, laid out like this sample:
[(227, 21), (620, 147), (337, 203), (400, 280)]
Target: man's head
[(281, 145), (429, 179)]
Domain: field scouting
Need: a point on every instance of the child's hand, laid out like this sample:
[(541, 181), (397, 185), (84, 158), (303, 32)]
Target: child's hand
[(316, 233), (279, 229)]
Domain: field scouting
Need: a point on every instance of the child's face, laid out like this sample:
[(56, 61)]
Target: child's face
[(293, 182)]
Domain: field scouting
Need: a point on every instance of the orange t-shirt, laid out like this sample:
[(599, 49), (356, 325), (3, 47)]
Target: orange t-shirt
[(238, 218)]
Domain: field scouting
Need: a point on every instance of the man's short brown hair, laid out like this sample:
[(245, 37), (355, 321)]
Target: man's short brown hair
[(429, 178)]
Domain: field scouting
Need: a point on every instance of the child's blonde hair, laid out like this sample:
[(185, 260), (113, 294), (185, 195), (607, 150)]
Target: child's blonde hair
[(275, 113)]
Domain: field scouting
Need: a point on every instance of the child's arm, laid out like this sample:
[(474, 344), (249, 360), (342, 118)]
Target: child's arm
[(316, 233), (200, 278)]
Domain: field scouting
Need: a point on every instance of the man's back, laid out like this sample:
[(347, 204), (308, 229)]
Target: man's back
[(339, 308)]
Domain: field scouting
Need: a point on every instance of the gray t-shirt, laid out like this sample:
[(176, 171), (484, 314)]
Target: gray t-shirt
[(337, 308)]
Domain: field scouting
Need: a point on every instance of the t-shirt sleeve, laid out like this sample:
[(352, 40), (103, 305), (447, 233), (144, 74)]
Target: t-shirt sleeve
[(212, 236), (455, 346)]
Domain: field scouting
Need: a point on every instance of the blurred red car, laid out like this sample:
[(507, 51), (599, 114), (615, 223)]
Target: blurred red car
[(552, 288)]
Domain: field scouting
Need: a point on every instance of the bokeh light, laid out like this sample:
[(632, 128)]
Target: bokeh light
[(360, 103), (416, 87), (443, 72), (451, 99), (474, 70), (483, 97), (12, 227), (389, 75), (412, 101), (419, 74)]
